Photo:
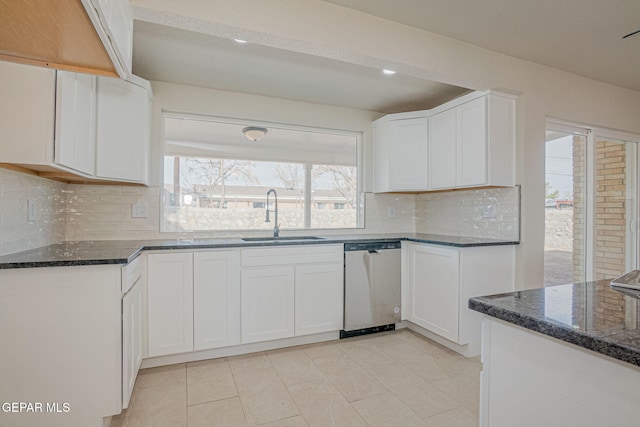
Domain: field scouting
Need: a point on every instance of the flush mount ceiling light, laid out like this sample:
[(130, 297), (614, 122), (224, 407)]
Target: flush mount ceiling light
[(239, 41), (254, 133), (388, 72)]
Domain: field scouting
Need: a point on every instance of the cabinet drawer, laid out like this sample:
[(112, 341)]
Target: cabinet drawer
[(292, 255), (131, 273)]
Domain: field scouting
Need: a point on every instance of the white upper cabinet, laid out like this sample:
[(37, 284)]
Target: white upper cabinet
[(400, 153), (470, 143), (442, 156), (122, 130), (75, 132), (74, 127), (113, 21)]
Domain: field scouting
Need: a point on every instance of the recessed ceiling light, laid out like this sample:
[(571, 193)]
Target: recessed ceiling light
[(239, 41), (388, 72)]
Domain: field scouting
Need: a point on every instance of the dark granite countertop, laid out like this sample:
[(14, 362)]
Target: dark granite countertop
[(125, 251), (591, 315)]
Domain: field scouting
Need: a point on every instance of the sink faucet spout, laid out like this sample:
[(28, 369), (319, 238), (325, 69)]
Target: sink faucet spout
[(276, 227)]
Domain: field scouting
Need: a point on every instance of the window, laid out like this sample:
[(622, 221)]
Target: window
[(217, 179)]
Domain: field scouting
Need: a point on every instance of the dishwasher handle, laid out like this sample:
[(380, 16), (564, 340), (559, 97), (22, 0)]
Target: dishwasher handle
[(373, 251)]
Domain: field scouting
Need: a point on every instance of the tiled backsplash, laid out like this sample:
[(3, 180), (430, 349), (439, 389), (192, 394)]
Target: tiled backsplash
[(104, 213), (17, 233), (464, 213), (95, 212)]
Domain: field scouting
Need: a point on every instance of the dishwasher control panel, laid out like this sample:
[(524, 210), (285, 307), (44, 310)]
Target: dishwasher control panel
[(365, 246)]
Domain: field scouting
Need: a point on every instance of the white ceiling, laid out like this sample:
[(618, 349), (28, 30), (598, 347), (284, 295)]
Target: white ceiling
[(175, 55), (580, 36), (583, 37)]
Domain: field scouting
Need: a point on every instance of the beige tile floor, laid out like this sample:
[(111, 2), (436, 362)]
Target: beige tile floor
[(391, 379)]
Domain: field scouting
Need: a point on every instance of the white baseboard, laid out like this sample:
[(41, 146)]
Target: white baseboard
[(195, 356), (466, 350)]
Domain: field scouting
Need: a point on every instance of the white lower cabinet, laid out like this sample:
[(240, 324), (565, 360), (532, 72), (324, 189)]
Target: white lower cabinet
[(131, 340), (61, 344), (220, 298), (439, 282), (267, 304), (319, 298), (193, 301), (216, 299), (170, 303), (434, 289)]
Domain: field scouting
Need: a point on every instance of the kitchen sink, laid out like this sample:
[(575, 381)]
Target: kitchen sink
[(276, 239)]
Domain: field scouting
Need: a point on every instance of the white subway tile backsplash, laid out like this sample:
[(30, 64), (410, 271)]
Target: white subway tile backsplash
[(460, 213), (92, 212), (16, 232)]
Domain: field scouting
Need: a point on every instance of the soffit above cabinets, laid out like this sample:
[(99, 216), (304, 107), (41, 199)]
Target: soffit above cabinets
[(176, 55)]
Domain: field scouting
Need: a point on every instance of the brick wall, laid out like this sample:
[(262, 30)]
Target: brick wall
[(579, 207), (610, 209)]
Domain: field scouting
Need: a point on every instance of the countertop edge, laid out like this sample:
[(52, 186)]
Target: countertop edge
[(146, 246), (562, 333)]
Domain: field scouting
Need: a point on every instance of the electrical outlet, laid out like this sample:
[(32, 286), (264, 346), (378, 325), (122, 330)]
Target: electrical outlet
[(32, 210), (391, 211), (139, 210), (488, 211)]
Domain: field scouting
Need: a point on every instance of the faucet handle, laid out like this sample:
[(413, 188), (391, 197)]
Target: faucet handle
[(276, 230)]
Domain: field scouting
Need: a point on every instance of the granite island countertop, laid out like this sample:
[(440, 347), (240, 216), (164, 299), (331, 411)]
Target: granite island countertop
[(590, 315), (124, 251)]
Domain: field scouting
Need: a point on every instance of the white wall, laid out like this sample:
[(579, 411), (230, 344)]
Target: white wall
[(303, 26)]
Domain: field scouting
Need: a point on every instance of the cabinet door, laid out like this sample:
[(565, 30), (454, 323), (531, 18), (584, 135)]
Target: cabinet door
[(442, 150), (122, 130), (267, 304), (472, 141), (75, 138), (434, 289), (216, 299), (27, 102), (131, 340), (408, 154), (319, 294), (170, 303)]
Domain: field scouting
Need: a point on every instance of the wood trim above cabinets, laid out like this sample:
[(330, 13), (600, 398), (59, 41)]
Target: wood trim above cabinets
[(53, 34)]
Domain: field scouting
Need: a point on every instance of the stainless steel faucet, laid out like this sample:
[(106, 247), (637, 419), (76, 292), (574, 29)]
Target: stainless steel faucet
[(276, 228)]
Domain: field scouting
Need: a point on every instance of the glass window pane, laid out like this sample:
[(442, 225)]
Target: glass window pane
[(334, 196), (565, 208)]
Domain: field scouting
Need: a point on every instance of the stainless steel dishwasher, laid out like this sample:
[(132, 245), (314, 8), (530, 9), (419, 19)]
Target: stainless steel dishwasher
[(371, 287)]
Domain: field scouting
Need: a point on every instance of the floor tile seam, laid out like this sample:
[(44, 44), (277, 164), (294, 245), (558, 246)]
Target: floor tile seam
[(210, 401), (461, 404), (446, 412), (287, 389), (235, 384), (399, 400)]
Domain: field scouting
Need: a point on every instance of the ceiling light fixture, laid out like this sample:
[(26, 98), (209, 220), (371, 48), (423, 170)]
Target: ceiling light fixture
[(255, 133), (388, 72), (239, 41)]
